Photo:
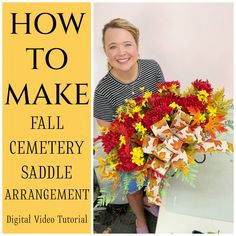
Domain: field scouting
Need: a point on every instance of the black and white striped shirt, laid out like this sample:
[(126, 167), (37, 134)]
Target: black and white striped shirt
[(110, 93)]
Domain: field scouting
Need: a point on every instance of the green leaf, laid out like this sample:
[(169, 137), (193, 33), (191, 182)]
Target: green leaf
[(190, 178), (105, 198)]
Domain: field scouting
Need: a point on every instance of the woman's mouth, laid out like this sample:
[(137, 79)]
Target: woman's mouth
[(122, 61)]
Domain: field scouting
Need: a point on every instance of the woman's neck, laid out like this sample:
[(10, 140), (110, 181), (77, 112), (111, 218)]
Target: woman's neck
[(126, 77)]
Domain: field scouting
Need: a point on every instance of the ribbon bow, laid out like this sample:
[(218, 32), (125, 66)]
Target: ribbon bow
[(169, 145)]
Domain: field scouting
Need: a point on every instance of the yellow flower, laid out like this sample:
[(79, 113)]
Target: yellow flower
[(202, 118), (212, 111), (95, 148), (130, 101), (119, 109), (144, 103), (103, 130), (141, 115), (175, 105), (142, 88), (111, 158), (122, 140), (121, 119), (162, 89), (173, 86), (137, 109), (140, 128), (202, 96), (129, 112), (147, 95), (113, 166), (167, 117), (137, 156), (130, 115), (131, 107), (100, 128)]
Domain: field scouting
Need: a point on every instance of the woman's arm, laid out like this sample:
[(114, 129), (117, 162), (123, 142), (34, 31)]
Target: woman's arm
[(103, 123)]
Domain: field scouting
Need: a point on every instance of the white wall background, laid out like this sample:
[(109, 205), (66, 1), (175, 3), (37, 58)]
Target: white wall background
[(189, 40)]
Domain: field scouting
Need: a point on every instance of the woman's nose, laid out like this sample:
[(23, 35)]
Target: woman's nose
[(121, 50)]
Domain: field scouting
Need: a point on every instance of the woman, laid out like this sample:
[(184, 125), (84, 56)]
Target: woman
[(127, 73)]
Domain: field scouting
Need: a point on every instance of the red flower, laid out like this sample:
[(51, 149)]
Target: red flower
[(192, 101), (157, 100), (168, 85), (202, 85), (139, 100), (125, 163), (109, 141), (156, 114)]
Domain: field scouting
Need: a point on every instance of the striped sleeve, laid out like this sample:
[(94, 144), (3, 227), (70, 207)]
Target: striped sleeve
[(102, 108), (160, 76)]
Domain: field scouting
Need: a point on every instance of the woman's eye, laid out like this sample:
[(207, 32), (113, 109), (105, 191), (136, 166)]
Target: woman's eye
[(112, 47), (128, 44)]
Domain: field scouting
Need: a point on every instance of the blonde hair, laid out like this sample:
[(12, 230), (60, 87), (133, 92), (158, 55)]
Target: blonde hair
[(121, 24)]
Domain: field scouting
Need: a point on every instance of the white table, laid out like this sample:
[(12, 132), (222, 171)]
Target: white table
[(169, 222), (208, 207)]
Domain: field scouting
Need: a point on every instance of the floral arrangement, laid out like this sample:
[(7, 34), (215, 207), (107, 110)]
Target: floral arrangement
[(156, 134)]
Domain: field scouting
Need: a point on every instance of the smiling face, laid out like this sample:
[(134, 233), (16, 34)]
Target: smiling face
[(121, 49)]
